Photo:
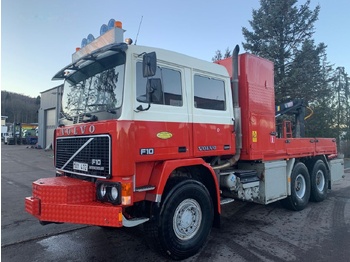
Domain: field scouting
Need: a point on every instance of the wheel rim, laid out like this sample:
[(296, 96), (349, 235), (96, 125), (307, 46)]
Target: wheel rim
[(187, 219), (300, 186), (320, 180)]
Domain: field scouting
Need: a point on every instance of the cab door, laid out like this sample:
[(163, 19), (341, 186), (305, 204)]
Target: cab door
[(161, 115), (213, 121)]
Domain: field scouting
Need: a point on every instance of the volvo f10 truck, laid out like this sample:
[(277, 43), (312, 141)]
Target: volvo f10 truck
[(154, 137)]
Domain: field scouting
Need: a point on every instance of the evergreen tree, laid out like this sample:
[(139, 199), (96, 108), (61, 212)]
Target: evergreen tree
[(227, 53), (308, 74), (282, 32), (218, 55), (279, 29), (19, 108), (341, 103)]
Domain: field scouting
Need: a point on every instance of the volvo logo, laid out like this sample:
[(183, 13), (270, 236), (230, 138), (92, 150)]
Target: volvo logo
[(78, 130), (206, 148)]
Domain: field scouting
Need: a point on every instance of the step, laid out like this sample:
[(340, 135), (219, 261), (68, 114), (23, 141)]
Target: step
[(144, 188), (226, 200)]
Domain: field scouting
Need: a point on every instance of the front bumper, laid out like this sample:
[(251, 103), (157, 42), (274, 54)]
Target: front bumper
[(68, 200)]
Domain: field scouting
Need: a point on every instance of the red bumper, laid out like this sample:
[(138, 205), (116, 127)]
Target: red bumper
[(68, 200)]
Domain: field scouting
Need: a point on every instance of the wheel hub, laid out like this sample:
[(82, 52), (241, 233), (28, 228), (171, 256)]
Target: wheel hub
[(320, 180), (187, 219), (300, 186)]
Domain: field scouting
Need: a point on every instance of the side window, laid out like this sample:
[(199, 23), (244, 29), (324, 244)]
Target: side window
[(171, 93), (209, 93)]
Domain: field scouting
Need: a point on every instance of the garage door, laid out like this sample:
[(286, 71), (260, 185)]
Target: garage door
[(50, 120)]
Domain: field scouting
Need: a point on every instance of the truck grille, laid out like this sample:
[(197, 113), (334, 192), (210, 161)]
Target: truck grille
[(85, 155)]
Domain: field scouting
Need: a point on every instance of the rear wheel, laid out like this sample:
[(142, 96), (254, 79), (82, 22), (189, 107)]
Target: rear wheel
[(184, 221), (300, 188), (319, 181)]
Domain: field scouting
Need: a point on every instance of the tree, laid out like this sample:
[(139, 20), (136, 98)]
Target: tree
[(38, 100), (341, 102), (308, 74), (19, 108), (279, 29), (218, 55), (283, 32)]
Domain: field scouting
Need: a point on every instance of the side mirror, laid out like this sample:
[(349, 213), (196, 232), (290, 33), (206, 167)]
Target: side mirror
[(149, 64)]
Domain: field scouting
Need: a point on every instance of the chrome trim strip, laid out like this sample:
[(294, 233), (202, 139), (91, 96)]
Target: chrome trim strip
[(80, 136), (79, 174)]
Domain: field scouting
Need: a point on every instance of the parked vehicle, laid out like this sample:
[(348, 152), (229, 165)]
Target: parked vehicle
[(154, 137)]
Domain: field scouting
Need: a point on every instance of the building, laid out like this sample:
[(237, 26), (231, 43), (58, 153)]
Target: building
[(48, 115), (3, 126)]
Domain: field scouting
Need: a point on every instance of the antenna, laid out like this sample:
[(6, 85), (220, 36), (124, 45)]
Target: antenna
[(138, 31)]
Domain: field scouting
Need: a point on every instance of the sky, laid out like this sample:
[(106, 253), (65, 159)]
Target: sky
[(38, 37)]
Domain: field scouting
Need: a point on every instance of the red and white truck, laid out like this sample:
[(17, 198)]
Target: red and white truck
[(150, 136)]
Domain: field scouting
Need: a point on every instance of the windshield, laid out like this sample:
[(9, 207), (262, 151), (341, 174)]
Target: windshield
[(94, 87)]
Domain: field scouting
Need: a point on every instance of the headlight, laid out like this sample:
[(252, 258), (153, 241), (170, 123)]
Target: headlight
[(113, 194), (108, 192), (101, 191)]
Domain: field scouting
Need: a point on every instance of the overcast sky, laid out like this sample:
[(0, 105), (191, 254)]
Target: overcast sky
[(38, 37)]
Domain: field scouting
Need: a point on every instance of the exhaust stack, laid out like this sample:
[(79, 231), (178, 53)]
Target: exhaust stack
[(236, 112)]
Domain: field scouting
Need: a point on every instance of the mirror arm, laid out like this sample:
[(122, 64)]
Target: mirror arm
[(140, 108)]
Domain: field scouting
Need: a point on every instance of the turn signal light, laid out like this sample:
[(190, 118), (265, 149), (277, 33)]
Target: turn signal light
[(126, 194)]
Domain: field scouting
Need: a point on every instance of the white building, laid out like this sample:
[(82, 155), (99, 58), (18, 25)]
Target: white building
[(48, 115)]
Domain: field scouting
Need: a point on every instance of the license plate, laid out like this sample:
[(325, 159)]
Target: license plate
[(80, 166)]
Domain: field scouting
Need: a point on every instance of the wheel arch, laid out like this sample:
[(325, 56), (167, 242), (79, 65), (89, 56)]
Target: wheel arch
[(164, 175)]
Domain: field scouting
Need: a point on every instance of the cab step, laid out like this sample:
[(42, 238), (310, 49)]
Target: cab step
[(144, 188), (226, 200)]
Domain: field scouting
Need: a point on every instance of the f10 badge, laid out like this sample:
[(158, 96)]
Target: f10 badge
[(147, 151)]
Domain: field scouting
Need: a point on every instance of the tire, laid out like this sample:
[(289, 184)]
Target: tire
[(319, 182), (184, 221), (300, 188)]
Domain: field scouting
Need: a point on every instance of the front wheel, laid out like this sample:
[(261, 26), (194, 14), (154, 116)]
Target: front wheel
[(300, 188), (184, 221)]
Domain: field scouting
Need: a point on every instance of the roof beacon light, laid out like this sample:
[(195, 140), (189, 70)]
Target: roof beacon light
[(111, 24), (104, 28), (109, 34), (83, 42), (118, 24), (90, 38)]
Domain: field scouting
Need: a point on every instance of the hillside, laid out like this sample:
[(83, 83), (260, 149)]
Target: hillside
[(19, 108)]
